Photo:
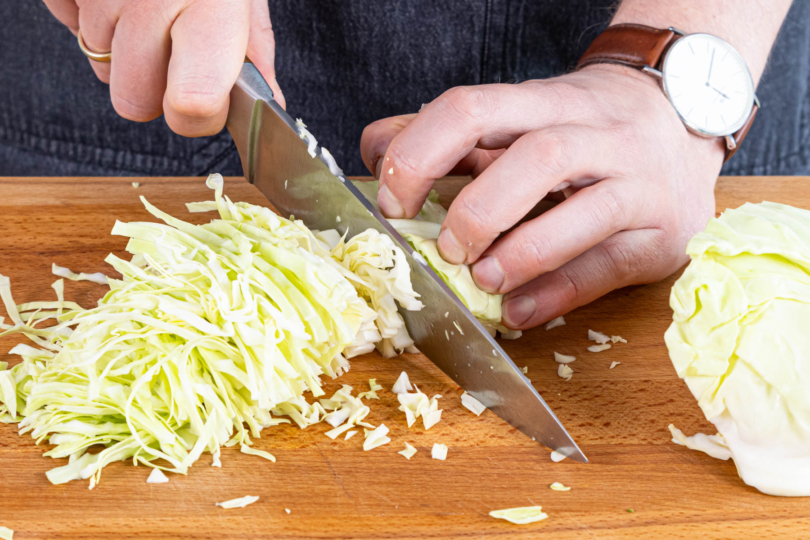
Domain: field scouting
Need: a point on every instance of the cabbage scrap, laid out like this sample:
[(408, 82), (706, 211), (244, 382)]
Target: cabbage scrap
[(598, 337), (563, 358), (439, 451), (740, 341), (472, 404), (522, 515), (565, 372), (238, 503), (245, 449), (6, 533), (408, 452), (402, 385), (66, 273), (376, 438), (373, 388), (417, 404), (554, 323), (713, 445), (157, 477)]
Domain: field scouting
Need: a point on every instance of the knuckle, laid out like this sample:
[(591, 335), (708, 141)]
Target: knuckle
[(609, 212), (570, 284), (631, 264), (548, 151), (473, 214), (538, 253), (404, 160), (467, 102), (625, 267)]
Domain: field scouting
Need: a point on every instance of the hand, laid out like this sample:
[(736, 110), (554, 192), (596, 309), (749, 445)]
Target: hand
[(638, 184), (179, 58)]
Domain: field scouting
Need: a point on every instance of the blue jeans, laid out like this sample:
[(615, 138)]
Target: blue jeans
[(343, 64)]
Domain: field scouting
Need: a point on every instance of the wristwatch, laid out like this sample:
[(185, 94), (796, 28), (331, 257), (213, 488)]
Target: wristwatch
[(704, 78)]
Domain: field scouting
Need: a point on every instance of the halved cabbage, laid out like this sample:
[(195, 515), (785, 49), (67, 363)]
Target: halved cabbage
[(740, 340)]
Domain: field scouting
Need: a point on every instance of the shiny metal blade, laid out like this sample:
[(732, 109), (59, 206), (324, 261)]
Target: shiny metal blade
[(276, 160)]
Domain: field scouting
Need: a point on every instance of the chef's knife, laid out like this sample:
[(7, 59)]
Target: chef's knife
[(301, 179)]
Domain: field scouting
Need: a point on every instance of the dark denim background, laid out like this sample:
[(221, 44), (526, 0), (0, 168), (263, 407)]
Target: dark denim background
[(343, 64)]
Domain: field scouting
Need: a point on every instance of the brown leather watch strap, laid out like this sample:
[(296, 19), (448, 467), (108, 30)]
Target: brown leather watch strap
[(633, 45), (741, 133)]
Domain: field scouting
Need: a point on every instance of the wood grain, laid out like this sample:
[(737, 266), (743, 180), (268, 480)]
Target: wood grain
[(335, 490)]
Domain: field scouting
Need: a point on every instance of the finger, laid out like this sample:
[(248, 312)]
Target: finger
[(446, 130), (140, 52), (378, 135), (626, 258), (564, 232), (261, 48), (97, 21), (531, 167), (209, 42), (376, 138), (66, 11)]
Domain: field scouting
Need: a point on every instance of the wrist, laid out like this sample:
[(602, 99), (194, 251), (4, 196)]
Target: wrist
[(750, 26)]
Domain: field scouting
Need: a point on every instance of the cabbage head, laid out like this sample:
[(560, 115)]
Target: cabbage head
[(740, 338)]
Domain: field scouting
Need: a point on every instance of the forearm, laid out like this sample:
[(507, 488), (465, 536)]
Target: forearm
[(751, 26)]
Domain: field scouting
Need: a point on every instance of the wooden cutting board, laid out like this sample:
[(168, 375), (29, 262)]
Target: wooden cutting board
[(638, 484)]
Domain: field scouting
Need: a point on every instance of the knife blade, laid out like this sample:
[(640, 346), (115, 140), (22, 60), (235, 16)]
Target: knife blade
[(303, 180)]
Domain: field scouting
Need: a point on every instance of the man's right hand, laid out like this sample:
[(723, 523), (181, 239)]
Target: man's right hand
[(179, 58)]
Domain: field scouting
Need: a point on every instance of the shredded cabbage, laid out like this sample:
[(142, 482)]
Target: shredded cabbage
[(213, 333), (565, 372), (740, 340), (557, 486), (521, 516), (599, 348), (557, 457)]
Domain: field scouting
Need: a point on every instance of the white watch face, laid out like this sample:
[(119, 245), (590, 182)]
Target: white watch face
[(708, 83)]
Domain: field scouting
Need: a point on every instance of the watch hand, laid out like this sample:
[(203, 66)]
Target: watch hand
[(719, 92), (711, 63)]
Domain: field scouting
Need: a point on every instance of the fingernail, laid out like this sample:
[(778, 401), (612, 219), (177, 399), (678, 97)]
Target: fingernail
[(389, 204), (517, 310), (488, 274), (378, 168), (450, 249)]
